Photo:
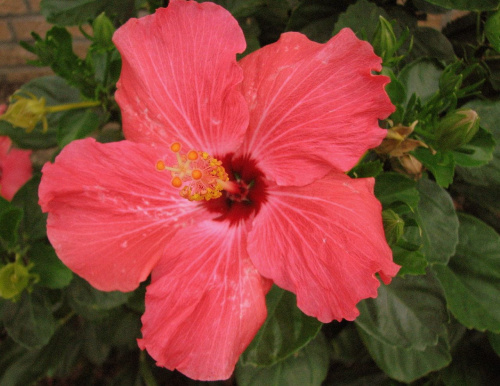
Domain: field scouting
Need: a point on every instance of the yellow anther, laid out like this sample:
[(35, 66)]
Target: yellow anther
[(176, 182), (192, 155), (196, 174), (176, 147), (160, 165)]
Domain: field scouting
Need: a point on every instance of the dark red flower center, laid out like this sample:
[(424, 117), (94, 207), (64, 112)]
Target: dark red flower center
[(233, 187), (245, 201)]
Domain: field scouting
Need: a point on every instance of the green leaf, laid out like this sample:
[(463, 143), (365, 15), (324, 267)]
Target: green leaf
[(96, 346), (29, 321), (55, 91), (412, 261), (489, 113), (126, 328), (353, 365), (315, 18), (76, 125), (478, 152), (70, 12), (438, 221), (57, 358), (17, 365), (60, 356), (120, 328), (495, 342), (467, 5), (421, 78), (285, 330), (272, 20), (239, 8), (252, 31), (441, 164), (429, 42), (470, 280), (393, 226), (56, 51), (91, 303), (347, 347), (395, 88), (492, 30), (10, 219), (77, 12), (472, 365), (426, 7), (33, 223), (367, 169), (308, 367), (391, 188), (407, 365), (53, 273), (362, 17), (409, 313)]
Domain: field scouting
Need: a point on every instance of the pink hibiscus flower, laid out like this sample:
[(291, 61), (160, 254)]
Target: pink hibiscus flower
[(15, 166), (277, 131)]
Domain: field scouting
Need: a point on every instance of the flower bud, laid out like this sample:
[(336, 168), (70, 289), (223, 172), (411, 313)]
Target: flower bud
[(384, 42), (457, 129), (409, 165), (397, 144), (14, 278), (103, 31), (26, 112)]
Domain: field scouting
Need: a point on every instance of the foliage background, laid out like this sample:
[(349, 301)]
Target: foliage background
[(438, 323)]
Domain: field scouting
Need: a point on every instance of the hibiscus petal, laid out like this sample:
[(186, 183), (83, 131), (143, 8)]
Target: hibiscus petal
[(204, 308), (313, 107), (110, 211), (179, 78), (324, 242), (15, 168)]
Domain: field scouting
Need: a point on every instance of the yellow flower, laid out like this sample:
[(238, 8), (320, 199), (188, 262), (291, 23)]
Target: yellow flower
[(26, 111)]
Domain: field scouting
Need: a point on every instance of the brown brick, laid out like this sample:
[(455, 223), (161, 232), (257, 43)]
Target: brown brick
[(12, 7), (22, 74), (433, 21), (12, 54), (5, 34), (23, 26), (81, 47), (76, 33), (34, 5)]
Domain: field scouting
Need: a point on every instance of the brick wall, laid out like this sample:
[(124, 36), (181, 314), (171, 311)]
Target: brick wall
[(17, 19)]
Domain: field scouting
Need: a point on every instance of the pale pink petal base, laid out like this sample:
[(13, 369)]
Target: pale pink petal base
[(204, 308), (325, 242), (15, 168), (110, 211), (313, 107), (179, 78)]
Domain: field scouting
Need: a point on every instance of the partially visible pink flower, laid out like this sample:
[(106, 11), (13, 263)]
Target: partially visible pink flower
[(286, 123), (15, 166)]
